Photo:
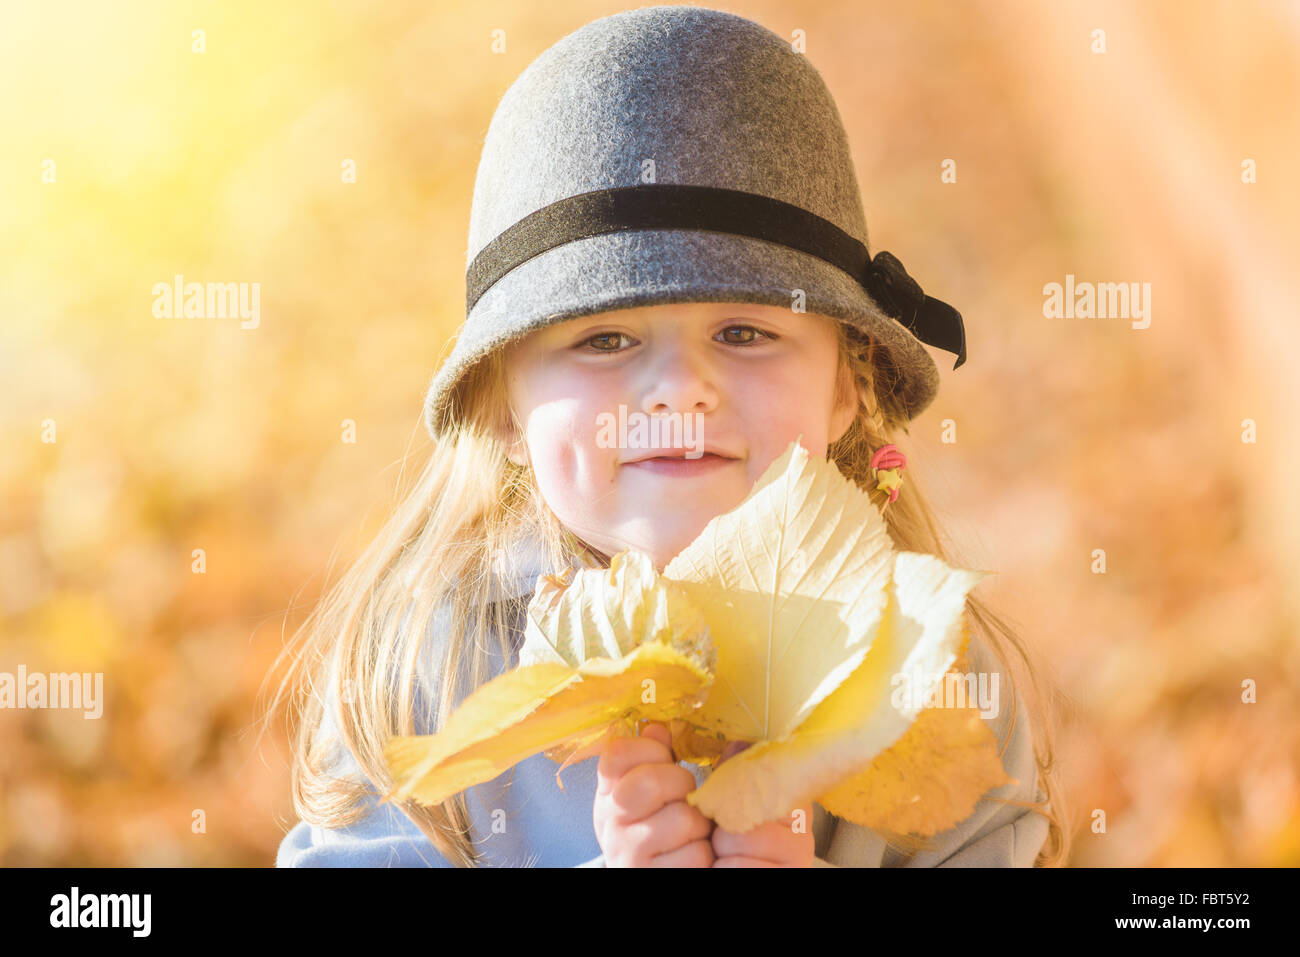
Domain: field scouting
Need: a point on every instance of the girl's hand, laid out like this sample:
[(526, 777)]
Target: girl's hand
[(772, 844), (640, 812)]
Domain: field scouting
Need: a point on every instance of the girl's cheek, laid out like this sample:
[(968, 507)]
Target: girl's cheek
[(557, 458), (552, 428)]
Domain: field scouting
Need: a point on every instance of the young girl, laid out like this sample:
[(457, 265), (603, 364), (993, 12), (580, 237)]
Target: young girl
[(666, 223)]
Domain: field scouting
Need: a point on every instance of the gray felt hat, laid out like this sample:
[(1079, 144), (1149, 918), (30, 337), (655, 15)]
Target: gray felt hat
[(678, 154)]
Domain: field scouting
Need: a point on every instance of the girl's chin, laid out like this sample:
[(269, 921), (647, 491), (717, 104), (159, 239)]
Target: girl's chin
[(660, 539), (663, 551)]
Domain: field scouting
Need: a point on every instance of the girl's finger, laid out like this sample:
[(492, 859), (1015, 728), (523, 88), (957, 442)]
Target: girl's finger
[(646, 788), (766, 840), (739, 860), (658, 731), (622, 754), (671, 827), (695, 854)]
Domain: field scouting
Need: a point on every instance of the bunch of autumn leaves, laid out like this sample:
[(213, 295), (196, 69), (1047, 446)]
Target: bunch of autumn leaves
[(784, 624)]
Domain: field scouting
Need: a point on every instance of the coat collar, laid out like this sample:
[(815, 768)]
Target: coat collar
[(515, 570)]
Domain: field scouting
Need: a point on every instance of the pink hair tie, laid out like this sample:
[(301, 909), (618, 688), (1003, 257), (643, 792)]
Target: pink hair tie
[(889, 462)]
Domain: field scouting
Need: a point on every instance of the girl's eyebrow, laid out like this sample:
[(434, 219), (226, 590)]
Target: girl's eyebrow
[(785, 321), (585, 324), (756, 310)]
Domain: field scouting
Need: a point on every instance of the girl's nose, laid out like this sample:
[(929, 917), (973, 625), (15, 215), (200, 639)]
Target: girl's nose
[(679, 381)]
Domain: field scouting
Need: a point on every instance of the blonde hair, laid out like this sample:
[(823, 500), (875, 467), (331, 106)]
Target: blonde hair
[(438, 551)]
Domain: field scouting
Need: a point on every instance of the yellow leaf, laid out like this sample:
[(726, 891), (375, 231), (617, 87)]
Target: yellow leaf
[(813, 615), (694, 744), (791, 583), (931, 778), (606, 612), (928, 781), (658, 667)]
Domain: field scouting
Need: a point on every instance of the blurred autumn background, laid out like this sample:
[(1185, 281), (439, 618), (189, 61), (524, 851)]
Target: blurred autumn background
[(128, 442)]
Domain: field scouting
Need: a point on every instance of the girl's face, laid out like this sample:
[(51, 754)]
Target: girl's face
[(602, 397)]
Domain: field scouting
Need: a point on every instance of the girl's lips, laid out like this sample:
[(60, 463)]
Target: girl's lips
[(683, 466)]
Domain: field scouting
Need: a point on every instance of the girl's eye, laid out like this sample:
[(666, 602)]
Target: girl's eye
[(609, 341), (748, 341), (605, 337)]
